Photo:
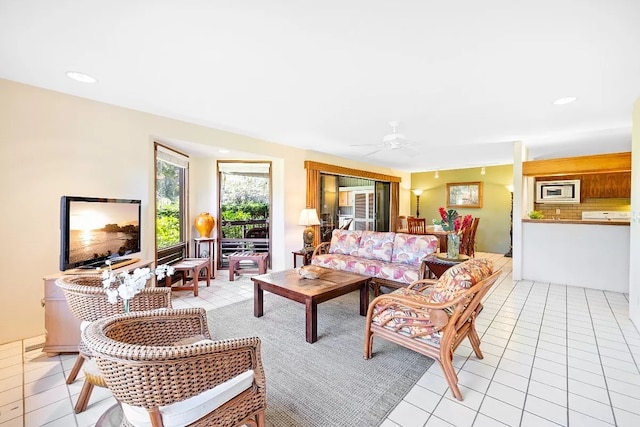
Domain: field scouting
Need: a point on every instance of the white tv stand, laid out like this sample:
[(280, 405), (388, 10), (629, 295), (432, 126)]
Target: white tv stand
[(62, 329)]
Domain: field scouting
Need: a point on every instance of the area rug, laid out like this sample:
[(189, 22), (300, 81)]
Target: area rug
[(327, 383)]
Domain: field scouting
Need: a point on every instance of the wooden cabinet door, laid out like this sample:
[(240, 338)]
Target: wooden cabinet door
[(623, 185), (587, 187), (606, 185)]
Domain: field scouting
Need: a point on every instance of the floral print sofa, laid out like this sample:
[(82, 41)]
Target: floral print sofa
[(390, 259)]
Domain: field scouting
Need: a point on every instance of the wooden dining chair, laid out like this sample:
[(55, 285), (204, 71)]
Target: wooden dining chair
[(416, 225), (465, 242), (472, 237), (401, 224)]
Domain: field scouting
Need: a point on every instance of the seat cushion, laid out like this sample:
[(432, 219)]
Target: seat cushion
[(423, 324), (459, 278), (402, 273), (187, 411)]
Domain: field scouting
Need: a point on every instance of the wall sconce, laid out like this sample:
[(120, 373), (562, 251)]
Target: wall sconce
[(482, 171), (308, 217), (436, 175), (417, 193)]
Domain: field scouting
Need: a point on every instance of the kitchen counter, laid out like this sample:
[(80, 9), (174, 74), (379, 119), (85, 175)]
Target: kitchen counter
[(576, 221), (589, 254)]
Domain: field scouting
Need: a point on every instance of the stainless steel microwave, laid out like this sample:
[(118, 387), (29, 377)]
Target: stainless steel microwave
[(567, 191)]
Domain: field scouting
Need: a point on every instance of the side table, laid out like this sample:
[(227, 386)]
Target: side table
[(439, 263), (199, 251), (259, 258), (193, 265), (306, 257)]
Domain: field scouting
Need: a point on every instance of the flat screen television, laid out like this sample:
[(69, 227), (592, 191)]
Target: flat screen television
[(93, 230)]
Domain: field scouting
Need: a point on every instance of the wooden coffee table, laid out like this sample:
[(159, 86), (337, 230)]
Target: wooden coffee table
[(310, 292)]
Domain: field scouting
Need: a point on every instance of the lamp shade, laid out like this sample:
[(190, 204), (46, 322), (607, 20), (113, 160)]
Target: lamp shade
[(417, 192), (308, 217)]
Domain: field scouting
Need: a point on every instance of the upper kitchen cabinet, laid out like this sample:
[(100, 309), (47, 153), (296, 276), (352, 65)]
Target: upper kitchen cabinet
[(601, 176), (345, 198), (606, 185)]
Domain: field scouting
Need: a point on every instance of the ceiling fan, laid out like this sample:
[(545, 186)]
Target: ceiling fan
[(392, 141)]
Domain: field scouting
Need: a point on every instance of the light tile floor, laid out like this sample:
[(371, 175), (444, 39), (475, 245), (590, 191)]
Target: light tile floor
[(554, 355)]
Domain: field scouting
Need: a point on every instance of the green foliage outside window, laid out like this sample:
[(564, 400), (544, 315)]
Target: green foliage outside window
[(168, 225), (245, 211)]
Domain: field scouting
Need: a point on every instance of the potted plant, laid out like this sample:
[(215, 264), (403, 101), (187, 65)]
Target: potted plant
[(535, 215)]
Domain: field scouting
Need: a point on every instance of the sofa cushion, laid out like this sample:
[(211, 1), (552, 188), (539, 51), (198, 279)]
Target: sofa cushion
[(459, 278), (345, 242), (424, 324), (402, 273), (192, 409), (376, 245), (413, 248)]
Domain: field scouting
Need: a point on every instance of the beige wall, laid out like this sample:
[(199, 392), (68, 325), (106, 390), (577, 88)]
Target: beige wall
[(634, 249), (53, 144), (493, 230)]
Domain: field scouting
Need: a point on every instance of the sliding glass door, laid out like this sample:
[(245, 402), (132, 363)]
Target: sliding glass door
[(352, 203), (245, 208)]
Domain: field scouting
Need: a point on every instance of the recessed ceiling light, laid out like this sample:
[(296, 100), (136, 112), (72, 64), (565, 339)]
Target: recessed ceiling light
[(562, 101), (81, 77), (223, 150)]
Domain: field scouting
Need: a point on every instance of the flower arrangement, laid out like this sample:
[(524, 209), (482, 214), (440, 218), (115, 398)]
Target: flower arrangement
[(126, 285), (452, 222)]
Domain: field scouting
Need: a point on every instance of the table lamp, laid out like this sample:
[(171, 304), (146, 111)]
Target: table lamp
[(308, 217)]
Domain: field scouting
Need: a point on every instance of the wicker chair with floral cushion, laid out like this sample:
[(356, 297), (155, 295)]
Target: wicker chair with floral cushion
[(433, 317), (165, 370), (88, 302)]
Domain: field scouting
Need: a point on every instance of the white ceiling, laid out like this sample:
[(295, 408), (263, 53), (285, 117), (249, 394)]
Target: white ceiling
[(465, 78)]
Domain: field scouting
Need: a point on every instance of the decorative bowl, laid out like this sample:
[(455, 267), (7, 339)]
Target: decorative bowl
[(309, 272)]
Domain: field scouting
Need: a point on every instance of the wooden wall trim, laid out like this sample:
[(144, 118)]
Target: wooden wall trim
[(599, 163), (339, 170)]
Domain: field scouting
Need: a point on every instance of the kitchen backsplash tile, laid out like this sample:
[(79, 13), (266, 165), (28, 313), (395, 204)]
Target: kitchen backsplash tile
[(574, 211)]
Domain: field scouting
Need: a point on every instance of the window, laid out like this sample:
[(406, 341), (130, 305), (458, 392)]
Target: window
[(172, 171)]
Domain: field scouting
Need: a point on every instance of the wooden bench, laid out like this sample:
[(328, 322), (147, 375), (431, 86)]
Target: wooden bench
[(258, 257)]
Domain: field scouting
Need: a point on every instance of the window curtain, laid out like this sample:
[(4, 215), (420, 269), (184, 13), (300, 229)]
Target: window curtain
[(394, 206)]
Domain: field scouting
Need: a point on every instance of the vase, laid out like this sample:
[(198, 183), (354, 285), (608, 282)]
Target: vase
[(126, 305), (204, 224), (453, 245)]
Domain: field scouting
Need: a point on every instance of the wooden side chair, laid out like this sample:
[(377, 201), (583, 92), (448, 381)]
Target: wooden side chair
[(88, 302), (165, 370), (416, 225), (434, 317), (465, 242), (472, 243), (402, 226)]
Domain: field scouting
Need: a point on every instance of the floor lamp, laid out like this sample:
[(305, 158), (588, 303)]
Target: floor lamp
[(417, 193), (509, 254)]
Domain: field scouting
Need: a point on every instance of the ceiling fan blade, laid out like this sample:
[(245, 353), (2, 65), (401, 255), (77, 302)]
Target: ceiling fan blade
[(373, 152)]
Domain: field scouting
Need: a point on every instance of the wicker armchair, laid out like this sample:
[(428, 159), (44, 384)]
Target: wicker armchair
[(88, 302), (161, 377), (433, 317)]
